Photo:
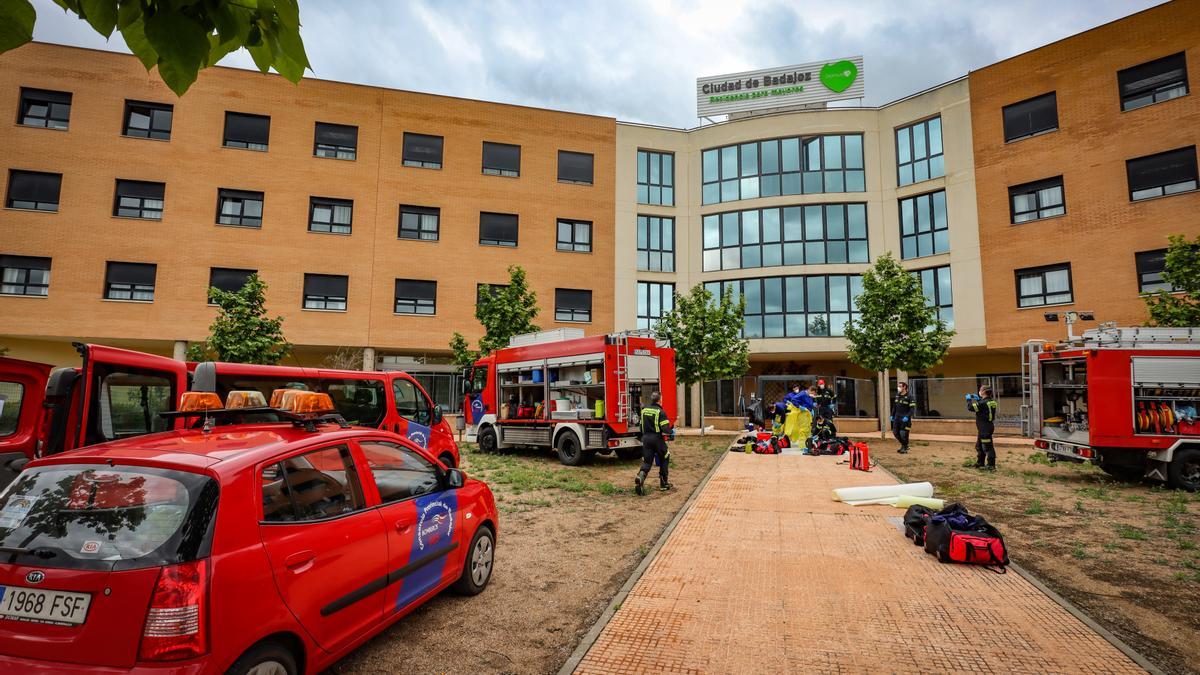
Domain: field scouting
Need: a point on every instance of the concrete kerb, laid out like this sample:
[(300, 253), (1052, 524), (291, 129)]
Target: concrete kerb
[(593, 633), (1103, 632)]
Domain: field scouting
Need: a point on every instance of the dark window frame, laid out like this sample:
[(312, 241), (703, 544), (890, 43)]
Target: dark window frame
[(412, 303), (646, 291), (1015, 124), (808, 169), (412, 160), (573, 244), (212, 274), (1039, 211), (37, 203), (663, 253), (655, 176), (572, 314), (417, 231), (928, 157), (918, 233), (241, 143), (1144, 265), (330, 226), (138, 206), (1189, 156), (241, 197), (504, 243), (311, 300), (330, 150), (25, 278), (505, 171), (762, 322), (933, 296), (1041, 271), (129, 285), (153, 131), (53, 101), (577, 171), (792, 248), (352, 486), (1133, 96)]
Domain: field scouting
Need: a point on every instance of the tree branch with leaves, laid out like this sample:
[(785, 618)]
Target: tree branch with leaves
[(1179, 308), (242, 331), (503, 311)]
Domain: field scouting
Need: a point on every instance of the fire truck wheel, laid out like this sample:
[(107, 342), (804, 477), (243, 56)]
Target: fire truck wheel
[(487, 441), (570, 451), (1185, 469), (629, 453)]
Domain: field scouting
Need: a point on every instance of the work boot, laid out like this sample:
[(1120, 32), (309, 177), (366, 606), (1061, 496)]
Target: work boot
[(979, 465), (903, 450), (638, 482), (664, 484)]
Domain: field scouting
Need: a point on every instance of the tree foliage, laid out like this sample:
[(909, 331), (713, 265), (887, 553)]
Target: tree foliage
[(896, 327), (181, 37), (706, 336), (1182, 308), (242, 331), (503, 311), (345, 358)]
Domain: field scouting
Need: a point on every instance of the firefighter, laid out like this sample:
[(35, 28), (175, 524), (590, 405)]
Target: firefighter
[(655, 428), (825, 400), (984, 407), (902, 411)]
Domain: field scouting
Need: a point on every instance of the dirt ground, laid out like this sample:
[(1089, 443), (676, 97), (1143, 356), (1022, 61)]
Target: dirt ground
[(569, 538), (1127, 554)]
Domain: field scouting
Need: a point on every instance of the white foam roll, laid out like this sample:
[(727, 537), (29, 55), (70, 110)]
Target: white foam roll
[(862, 493), (888, 501)]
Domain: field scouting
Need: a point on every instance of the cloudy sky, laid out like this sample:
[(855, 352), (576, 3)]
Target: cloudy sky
[(637, 60)]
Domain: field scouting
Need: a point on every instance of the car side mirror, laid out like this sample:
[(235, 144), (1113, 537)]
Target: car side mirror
[(437, 415), (455, 478)]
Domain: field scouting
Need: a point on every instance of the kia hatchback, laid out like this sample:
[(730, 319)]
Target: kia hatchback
[(267, 548)]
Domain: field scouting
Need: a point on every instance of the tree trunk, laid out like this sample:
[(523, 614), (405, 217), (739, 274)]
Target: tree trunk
[(701, 407), (885, 403)]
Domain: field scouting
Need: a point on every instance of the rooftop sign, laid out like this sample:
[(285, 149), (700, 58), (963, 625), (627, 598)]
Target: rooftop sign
[(804, 84)]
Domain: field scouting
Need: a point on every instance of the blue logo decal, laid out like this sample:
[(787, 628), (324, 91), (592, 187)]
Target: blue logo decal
[(477, 409), (418, 434), (433, 536)]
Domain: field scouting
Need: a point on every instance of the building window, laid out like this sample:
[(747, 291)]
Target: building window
[(572, 305), (326, 291), (227, 279), (139, 199), (1150, 268), (419, 222), (497, 229), (335, 141), (42, 108), (487, 289), (656, 244), (1031, 117), (783, 166), (1166, 173), (1159, 80), (424, 151), (795, 306), (130, 281), (239, 207), (416, 297), (501, 159), (656, 178), (574, 235), (919, 152), (148, 120), (575, 167), (250, 132), (816, 234), (1037, 200), (333, 216), (24, 275), (654, 300), (1049, 285), (923, 226), (939, 293), (33, 190)]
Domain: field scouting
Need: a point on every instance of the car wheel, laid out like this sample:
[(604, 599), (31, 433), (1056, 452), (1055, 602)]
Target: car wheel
[(447, 459), (629, 453), (487, 441), (266, 658), (570, 452), (1184, 471), (477, 568)]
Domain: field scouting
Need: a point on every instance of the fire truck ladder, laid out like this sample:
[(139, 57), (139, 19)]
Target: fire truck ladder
[(1134, 337), (1030, 386), (622, 373)]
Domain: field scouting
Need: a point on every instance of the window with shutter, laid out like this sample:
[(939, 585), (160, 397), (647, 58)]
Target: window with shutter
[(1159, 80), (325, 291), (335, 141), (33, 190), (419, 222), (148, 120), (575, 167), (331, 216), (422, 151), (239, 207), (139, 199), (1037, 200), (501, 159), (42, 108), (416, 297), (227, 279), (249, 132), (130, 281), (1166, 173), (572, 305), (497, 229), (1031, 117)]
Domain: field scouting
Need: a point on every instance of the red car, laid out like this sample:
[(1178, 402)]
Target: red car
[(272, 547)]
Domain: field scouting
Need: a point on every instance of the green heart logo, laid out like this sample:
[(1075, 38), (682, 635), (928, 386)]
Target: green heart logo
[(838, 77)]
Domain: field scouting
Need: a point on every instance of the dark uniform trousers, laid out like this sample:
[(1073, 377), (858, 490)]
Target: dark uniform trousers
[(902, 409), (985, 426), (654, 445)]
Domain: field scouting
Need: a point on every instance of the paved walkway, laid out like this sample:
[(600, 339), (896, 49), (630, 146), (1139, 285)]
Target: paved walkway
[(766, 574)]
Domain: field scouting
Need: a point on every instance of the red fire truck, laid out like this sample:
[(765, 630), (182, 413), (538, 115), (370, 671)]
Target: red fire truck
[(1126, 399), (119, 393), (557, 389)]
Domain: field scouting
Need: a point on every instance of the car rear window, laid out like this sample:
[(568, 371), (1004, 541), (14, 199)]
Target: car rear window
[(100, 517)]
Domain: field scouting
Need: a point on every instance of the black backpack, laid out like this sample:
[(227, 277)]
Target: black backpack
[(916, 519)]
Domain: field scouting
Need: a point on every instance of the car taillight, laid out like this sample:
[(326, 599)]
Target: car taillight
[(176, 623)]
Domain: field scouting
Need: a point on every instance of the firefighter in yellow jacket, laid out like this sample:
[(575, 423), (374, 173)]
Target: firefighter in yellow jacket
[(655, 429)]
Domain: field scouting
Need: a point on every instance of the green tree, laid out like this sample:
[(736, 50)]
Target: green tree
[(242, 331), (503, 311), (896, 327), (706, 335), (181, 37), (1182, 308)]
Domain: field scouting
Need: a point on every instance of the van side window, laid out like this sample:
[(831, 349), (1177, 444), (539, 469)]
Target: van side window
[(399, 472), (314, 486), (129, 404), (11, 394), (361, 402), (411, 404)]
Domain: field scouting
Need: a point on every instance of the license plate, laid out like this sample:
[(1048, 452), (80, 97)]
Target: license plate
[(43, 606)]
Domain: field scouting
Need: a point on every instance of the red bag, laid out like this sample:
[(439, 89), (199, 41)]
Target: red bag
[(860, 456), (1189, 427), (977, 548), (768, 447)]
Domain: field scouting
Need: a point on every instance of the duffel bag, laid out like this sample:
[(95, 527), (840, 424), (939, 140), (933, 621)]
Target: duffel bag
[(982, 546), (916, 519), (937, 531), (831, 446)]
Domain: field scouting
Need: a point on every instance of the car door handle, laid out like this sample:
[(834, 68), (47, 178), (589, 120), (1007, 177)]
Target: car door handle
[(300, 562), (403, 527)]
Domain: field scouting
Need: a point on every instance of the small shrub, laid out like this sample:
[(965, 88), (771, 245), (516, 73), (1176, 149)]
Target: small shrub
[(1131, 532), (1035, 507), (1039, 458)]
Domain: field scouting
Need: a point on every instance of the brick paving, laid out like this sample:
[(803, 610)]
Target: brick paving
[(765, 573)]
